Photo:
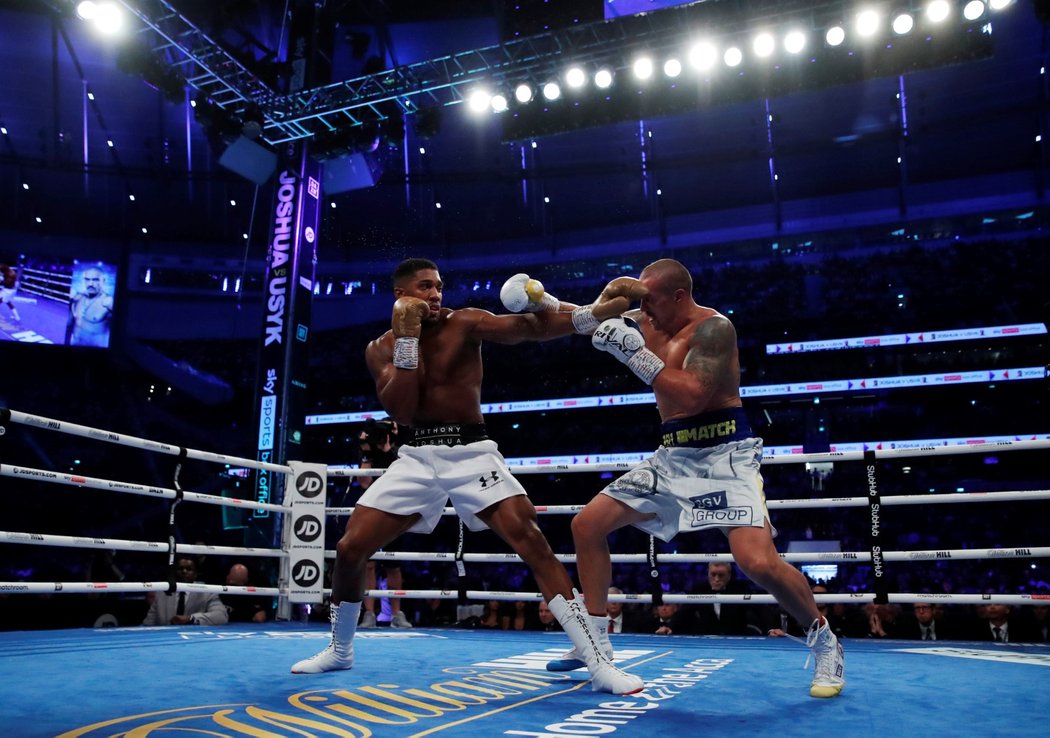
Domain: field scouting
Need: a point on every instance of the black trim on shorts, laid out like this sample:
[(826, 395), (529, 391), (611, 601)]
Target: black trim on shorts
[(707, 429), (448, 434)]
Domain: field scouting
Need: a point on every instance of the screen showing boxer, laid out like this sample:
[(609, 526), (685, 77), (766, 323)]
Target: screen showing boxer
[(56, 300)]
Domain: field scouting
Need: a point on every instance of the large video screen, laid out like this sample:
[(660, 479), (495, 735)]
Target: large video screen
[(56, 300)]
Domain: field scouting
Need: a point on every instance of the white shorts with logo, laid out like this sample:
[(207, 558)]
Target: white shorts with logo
[(690, 489), (423, 479)]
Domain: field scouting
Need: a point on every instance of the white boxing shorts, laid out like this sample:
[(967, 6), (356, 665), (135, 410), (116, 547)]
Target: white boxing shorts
[(691, 489), (7, 295), (474, 476)]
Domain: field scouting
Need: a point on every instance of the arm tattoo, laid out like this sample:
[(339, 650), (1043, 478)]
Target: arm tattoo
[(711, 350)]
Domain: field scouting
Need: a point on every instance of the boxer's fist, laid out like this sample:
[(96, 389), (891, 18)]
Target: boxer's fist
[(407, 320), (627, 344), (618, 339), (617, 297), (521, 293)]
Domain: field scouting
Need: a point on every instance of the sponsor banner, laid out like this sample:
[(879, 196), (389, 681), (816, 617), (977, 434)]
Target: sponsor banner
[(901, 339), (306, 542)]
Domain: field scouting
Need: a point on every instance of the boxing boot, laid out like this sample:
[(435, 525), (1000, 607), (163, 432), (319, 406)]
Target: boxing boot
[(577, 624), (339, 654)]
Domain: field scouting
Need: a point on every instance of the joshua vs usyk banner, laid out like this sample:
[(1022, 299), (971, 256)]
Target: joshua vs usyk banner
[(305, 540), (281, 387)]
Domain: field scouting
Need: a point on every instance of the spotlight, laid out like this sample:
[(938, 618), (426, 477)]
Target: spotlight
[(523, 93), (672, 68), (253, 122), (835, 36), (973, 10), (603, 79), (938, 10), (794, 42), (643, 67), (479, 100), (87, 10), (733, 57), (575, 78), (867, 23), (703, 55), (551, 91), (499, 103), (763, 45), (108, 18), (903, 24), (999, 4)]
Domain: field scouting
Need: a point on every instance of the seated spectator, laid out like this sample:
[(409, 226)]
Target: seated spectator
[(927, 622), (882, 620), (545, 618), (621, 620), (245, 608), (997, 623), (725, 619), (520, 615), (669, 619), (186, 608)]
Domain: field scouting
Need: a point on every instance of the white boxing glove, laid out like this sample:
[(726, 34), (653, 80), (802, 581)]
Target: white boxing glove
[(522, 294), (614, 336)]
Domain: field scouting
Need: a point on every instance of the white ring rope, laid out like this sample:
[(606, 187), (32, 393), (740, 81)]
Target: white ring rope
[(78, 480), (831, 502), (84, 431), (166, 493)]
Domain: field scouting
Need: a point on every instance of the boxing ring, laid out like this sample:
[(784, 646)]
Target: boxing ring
[(234, 680)]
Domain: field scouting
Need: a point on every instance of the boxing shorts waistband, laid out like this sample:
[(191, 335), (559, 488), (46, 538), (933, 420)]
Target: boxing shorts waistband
[(448, 434), (707, 429)]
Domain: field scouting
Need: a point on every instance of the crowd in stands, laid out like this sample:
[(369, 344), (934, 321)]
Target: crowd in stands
[(906, 288)]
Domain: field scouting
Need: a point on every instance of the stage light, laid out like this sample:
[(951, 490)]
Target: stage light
[(552, 91), (479, 100), (672, 68), (603, 79), (499, 103), (794, 42), (938, 10), (575, 78), (523, 93), (903, 24), (867, 23), (733, 57), (835, 36), (703, 55), (643, 67), (999, 4), (87, 10), (973, 10), (108, 18), (763, 45)]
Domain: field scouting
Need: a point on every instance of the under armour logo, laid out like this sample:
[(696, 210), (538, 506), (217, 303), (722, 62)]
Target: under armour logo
[(493, 477)]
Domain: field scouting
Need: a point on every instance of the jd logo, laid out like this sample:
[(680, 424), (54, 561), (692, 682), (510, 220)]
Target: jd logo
[(305, 573), (710, 501), (307, 528), (309, 484), (492, 479)]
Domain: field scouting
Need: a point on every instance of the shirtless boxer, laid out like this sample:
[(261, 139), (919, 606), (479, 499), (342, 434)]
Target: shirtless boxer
[(8, 288), (428, 371), (706, 472), (90, 311)]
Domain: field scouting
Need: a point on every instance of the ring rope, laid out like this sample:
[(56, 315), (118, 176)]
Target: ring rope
[(77, 480), (121, 439), (119, 544), (831, 502)]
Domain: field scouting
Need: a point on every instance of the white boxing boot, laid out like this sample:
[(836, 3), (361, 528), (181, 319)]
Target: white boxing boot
[(574, 659), (339, 654), (576, 622), (829, 674)]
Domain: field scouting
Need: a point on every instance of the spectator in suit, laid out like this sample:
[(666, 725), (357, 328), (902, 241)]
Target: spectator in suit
[(926, 622), (725, 619), (669, 619), (997, 623), (186, 608), (619, 618)]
